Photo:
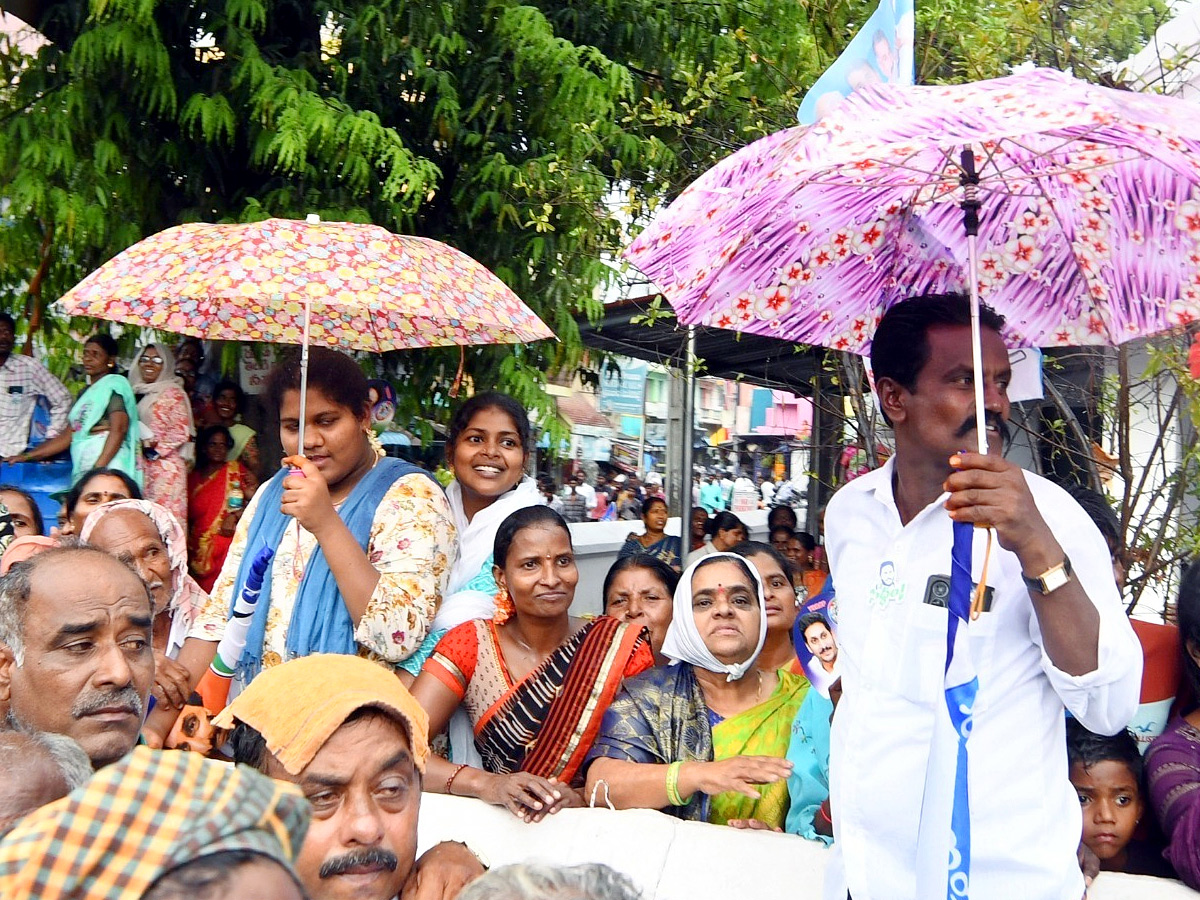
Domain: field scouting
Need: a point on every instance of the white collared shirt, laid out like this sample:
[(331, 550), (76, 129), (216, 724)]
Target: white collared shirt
[(892, 751)]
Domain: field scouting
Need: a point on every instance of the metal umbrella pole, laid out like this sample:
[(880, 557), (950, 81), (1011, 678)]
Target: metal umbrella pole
[(689, 410), (970, 207)]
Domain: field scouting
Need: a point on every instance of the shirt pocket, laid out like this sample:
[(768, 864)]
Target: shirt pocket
[(906, 654)]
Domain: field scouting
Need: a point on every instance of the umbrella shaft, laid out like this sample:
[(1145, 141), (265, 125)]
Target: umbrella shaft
[(976, 346), (304, 373)]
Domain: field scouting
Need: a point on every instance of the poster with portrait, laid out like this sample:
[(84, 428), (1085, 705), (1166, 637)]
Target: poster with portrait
[(383, 403), (814, 635)]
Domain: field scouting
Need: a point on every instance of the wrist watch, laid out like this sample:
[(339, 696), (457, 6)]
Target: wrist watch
[(1050, 580)]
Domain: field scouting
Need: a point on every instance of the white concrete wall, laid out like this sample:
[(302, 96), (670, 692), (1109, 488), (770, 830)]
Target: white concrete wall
[(673, 860), (597, 543)]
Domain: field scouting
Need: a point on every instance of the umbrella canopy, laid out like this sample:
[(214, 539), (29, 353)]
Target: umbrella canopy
[(367, 289), (1089, 216)]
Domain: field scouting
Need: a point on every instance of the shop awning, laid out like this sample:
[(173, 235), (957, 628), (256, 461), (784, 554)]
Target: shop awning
[(764, 361)]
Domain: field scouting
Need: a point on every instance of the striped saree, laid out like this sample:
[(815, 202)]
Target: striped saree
[(545, 723)]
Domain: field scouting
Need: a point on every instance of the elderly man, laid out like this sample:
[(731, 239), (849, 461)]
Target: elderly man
[(355, 741), (75, 652), (149, 539), (38, 769), (1052, 635)]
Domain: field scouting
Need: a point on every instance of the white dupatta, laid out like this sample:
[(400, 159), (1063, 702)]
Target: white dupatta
[(463, 600)]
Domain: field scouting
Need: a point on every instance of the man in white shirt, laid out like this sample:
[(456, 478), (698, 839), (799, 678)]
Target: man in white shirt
[(767, 489), (22, 380), (1053, 636)]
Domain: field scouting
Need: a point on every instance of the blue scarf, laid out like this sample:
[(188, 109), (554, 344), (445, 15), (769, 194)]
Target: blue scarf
[(320, 622)]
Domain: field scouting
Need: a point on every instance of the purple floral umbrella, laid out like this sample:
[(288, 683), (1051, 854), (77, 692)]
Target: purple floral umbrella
[(1073, 210), (1089, 216)]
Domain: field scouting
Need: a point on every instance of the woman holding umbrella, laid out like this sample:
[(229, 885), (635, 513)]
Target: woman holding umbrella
[(104, 420), (363, 542)]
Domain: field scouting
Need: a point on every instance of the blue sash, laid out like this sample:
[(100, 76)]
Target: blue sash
[(961, 687), (320, 622)]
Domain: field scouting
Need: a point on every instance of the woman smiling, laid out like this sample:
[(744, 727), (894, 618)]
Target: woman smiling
[(165, 413), (487, 448)]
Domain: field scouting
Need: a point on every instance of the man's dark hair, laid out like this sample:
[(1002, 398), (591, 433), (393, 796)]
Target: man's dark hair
[(900, 347), (489, 400), (807, 541), (1101, 513), (208, 877), (782, 515), (668, 576), (1087, 749), (6, 319), (782, 529), (334, 374), (808, 620), (76, 491)]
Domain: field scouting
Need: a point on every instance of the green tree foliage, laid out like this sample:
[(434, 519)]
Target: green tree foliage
[(530, 135)]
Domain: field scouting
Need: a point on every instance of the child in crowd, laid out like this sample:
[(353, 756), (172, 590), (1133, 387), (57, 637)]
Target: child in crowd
[(1107, 773)]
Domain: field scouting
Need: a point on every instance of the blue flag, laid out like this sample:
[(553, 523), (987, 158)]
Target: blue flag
[(881, 52)]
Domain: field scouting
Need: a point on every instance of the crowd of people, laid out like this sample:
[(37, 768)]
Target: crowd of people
[(351, 634)]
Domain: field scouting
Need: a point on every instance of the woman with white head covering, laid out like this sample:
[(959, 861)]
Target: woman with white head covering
[(165, 415), (705, 737)]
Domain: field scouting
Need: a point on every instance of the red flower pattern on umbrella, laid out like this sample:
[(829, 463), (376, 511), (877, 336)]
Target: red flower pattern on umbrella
[(1090, 219)]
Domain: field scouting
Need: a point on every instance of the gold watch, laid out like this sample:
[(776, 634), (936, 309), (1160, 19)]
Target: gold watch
[(1050, 580)]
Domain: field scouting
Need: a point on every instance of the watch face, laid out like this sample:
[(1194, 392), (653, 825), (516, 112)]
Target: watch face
[(1055, 578)]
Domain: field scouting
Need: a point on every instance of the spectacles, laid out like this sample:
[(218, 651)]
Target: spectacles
[(157, 360)]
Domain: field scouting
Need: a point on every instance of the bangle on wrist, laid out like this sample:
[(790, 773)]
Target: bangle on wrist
[(673, 785), (453, 775), (823, 813)]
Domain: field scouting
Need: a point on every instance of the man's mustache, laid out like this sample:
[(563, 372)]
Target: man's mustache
[(94, 701), (373, 856), (993, 418)]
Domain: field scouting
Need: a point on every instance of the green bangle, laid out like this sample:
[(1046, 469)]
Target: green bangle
[(673, 785)]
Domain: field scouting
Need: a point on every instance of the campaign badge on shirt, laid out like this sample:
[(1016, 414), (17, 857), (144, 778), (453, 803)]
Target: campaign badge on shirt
[(886, 590)]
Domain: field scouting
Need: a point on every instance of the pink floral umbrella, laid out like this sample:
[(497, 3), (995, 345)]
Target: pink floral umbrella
[(339, 284), (1089, 208)]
